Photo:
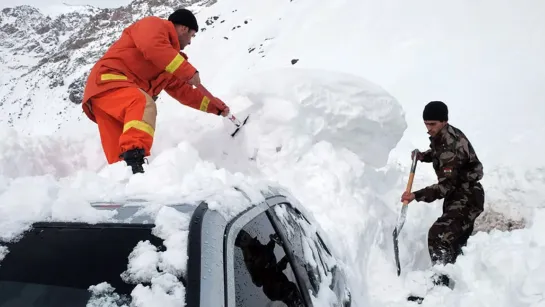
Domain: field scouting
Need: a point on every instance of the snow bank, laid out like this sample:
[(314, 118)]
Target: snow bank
[(342, 109), (301, 143), (59, 155), (175, 175)]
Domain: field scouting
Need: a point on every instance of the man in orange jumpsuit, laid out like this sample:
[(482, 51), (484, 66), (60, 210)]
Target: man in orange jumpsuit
[(123, 85)]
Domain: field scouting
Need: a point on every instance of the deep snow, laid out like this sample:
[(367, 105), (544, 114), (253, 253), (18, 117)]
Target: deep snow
[(323, 130), (301, 148)]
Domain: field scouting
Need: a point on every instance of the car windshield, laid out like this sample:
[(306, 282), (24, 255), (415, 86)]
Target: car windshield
[(54, 265)]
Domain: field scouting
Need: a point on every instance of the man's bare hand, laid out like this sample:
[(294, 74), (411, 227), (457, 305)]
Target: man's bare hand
[(419, 156), (222, 107), (407, 197), (225, 111)]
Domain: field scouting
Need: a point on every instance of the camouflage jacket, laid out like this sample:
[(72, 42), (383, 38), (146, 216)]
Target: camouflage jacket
[(455, 162)]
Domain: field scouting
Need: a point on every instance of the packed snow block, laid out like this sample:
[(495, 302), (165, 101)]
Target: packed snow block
[(339, 108)]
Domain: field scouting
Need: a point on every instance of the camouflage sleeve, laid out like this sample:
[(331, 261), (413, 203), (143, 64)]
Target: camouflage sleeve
[(451, 160), (474, 171), (448, 161)]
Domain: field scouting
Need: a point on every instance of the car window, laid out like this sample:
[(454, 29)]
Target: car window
[(308, 247), (263, 274), (54, 265)]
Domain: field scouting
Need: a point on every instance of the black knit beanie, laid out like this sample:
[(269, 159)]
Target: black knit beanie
[(436, 110), (184, 17)]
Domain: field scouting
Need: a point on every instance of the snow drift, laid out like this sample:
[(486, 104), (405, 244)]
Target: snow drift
[(342, 109), (302, 137)]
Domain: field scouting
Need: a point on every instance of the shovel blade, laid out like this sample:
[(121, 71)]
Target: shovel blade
[(395, 234), (396, 252), (239, 127)]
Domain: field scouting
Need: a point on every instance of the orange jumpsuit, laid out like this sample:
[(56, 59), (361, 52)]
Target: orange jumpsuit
[(119, 93)]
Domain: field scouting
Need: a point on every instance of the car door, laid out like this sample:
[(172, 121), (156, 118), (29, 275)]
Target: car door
[(258, 269), (311, 255)]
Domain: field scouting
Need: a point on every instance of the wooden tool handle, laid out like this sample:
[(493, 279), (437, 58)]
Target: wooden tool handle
[(409, 186), (411, 175), (410, 183)]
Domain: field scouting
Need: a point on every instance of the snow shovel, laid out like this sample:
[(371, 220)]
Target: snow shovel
[(403, 214), (230, 116)]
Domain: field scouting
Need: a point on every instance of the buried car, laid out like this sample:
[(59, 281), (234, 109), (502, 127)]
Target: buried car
[(268, 255)]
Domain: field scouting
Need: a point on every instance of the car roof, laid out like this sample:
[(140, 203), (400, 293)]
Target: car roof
[(134, 211)]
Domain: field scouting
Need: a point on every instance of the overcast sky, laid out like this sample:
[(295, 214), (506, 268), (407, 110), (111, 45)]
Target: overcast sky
[(56, 6)]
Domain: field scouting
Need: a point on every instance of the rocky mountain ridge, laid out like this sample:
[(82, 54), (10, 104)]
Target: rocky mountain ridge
[(49, 58)]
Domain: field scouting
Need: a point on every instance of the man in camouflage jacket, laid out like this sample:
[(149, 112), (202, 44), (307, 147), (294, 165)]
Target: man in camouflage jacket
[(458, 172)]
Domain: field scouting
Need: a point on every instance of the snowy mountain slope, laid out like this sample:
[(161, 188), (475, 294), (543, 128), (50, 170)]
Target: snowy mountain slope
[(451, 52), (27, 37), (31, 41), (55, 10)]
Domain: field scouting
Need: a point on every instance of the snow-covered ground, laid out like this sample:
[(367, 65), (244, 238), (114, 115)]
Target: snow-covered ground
[(341, 122)]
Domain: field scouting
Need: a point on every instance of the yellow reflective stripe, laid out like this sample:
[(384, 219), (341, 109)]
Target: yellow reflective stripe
[(140, 125), (105, 77), (204, 104), (172, 66)]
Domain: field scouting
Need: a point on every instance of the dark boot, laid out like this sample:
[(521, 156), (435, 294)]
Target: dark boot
[(441, 280), (438, 280), (417, 299), (135, 159)]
